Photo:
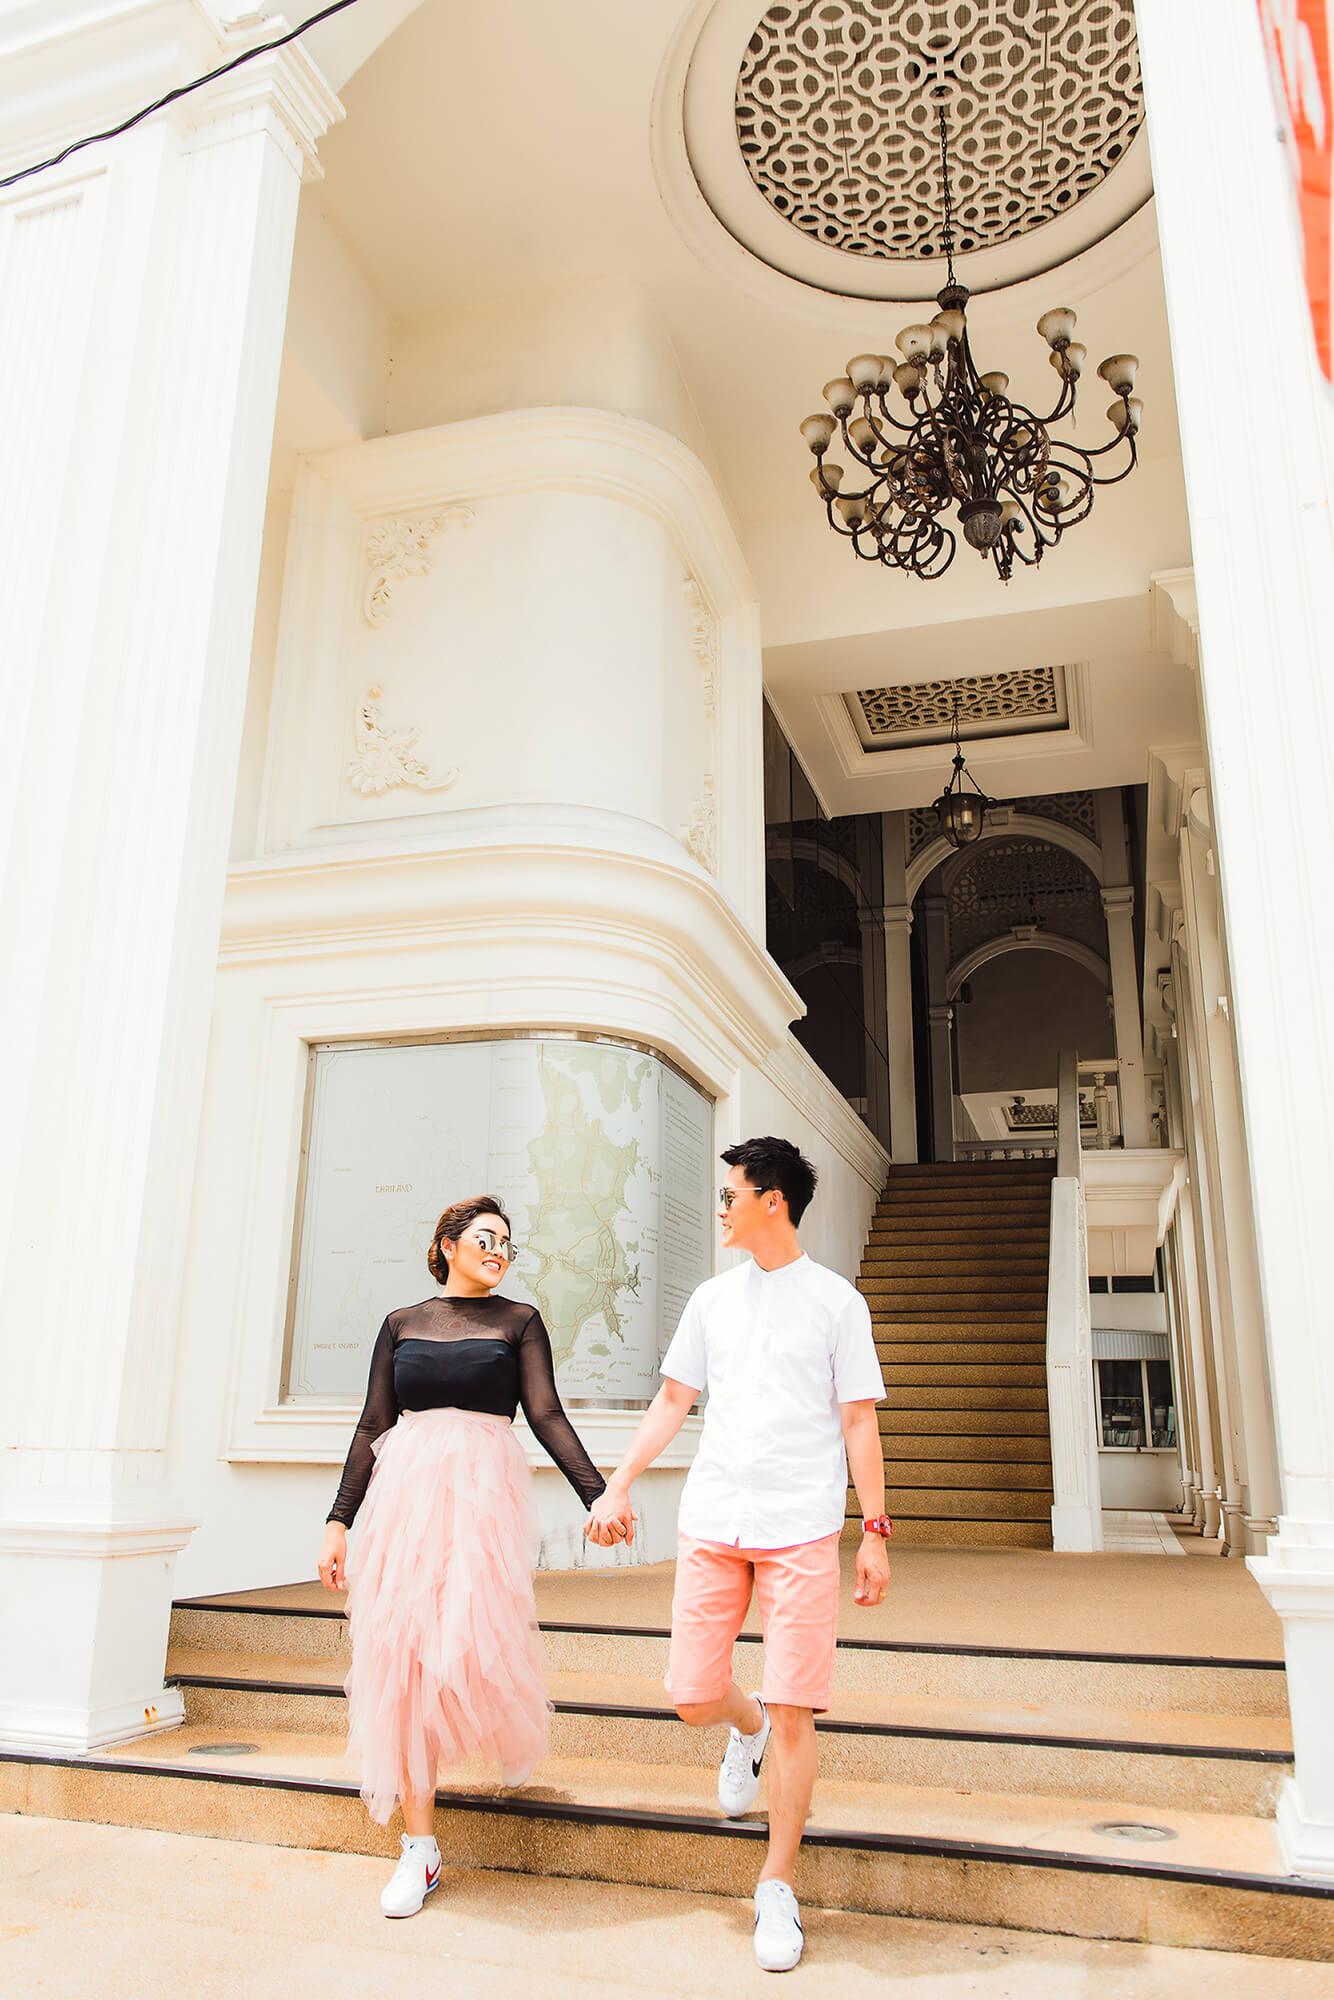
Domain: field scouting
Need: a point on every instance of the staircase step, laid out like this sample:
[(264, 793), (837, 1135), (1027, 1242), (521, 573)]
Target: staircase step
[(956, 1173), (961, 1353), (995, 1326), (920, 1417), (252, 1637), (1035, 1235), (943, 1375), (902, 1447), (966, 1503), (987, 1266), (969, 1396), (1200, 1762), (927, 1475), (945, 1853), (904, 1303)]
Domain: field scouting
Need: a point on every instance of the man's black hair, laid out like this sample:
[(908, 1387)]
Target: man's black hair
[(776, 1163)]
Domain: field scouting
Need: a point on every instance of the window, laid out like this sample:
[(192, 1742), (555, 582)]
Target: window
[(1135, 1405)]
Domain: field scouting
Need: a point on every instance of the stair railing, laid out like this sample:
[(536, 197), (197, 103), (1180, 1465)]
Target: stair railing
[(1076, 1514)]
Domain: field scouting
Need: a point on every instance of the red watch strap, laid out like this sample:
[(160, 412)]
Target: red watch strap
[(880, 1524)]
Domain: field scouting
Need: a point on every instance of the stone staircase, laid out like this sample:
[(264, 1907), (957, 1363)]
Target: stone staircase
[(1095, 1794), (955, 1274)]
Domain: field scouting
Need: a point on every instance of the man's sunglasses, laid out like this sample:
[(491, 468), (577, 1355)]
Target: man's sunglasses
[(727, 1195), (492, 1245)]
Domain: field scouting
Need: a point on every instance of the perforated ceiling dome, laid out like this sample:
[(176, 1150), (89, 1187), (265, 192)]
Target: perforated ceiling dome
[(837, 116)]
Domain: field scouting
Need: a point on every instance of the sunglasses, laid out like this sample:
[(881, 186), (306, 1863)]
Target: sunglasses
[(727, 1195), (492, 1245)]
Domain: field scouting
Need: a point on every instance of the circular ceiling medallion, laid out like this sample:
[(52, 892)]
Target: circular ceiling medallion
[(812, 134), (837, 116)]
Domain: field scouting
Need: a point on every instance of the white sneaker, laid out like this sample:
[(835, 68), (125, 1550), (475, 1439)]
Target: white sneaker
[(778, 1934), (417, 1873), (739, 1772)]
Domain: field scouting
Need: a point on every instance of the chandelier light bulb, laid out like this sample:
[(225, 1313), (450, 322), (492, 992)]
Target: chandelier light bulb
[(888, 363), (996, 383), (1069, 360), (908, 378), (1011, 514), (830, 475), (1118, 372), (1058, 325), (817, 432), (915, 342), (1126, 414), (864, 371), (862, 432), (853, 509), (840, 395), (951, 322)]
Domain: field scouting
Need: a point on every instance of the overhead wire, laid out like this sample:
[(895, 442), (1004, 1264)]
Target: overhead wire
[(174, 96)]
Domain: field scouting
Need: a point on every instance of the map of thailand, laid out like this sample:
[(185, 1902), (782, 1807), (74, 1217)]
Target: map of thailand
[(601, 1155)]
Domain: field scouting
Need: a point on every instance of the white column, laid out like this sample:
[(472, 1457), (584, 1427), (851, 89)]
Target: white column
[(1118, 902), (143, 364), (940, 1018), (897, 916), (1258, 490), (1241, 1312)]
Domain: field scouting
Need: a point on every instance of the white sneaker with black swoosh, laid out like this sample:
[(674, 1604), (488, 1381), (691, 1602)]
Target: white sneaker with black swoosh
[(778, 1933), (417, 1873), (739, 1772)]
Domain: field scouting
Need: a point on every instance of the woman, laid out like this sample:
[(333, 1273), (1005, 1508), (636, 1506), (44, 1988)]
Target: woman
[(446, 1658)]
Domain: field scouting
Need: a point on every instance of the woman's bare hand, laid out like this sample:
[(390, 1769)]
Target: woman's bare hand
[(332, 1564)]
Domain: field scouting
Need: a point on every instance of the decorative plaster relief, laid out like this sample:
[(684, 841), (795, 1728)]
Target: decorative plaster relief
[(983, 700), (401, 547), (383, 757), (704, 641), (700, 834)]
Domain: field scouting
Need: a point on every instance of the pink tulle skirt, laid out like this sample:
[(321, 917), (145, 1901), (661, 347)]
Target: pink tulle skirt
[(447, 1662)]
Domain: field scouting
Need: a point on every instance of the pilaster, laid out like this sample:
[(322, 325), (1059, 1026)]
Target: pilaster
[(1264, 573), (149, 445)]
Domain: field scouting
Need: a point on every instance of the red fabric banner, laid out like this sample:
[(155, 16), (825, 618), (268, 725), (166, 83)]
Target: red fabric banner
[(1298, 37)]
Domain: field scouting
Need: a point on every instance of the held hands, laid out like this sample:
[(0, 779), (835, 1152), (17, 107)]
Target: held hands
[(332, 1564), (872, 1571), (611, 1519)]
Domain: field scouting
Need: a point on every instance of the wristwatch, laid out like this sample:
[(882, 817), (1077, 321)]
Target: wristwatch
[(879, 1525)]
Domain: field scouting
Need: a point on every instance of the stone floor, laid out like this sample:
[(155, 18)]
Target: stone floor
[(1138, 1534), (106, 1913)]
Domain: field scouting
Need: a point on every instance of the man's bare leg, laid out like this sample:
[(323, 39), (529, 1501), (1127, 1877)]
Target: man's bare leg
[(793, 1754), (737, 1710)]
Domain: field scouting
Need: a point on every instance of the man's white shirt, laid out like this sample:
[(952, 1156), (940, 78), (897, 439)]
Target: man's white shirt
[(778, 1352)]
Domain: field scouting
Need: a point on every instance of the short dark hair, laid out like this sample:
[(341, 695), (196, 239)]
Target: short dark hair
[(776, 1163), (452, 1225)]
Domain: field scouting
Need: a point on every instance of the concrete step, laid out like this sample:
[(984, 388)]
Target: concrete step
[(949, 1209), (910, 1299), (995, 1326), (951, 1420), (941, 1374), (930, 1474), (943, 1852), (989, 1273), (966, 1503), (1202, 1763), (902, 1447), (1034, 1237), (1235, 1687), (961, 1353), (1033, 1173), (970, 1396), (1028, 1276)]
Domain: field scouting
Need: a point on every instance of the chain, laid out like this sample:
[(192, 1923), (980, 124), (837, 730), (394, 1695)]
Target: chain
[(948, 231)]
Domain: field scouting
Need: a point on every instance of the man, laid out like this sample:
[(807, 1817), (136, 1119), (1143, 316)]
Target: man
[(785, 1350)]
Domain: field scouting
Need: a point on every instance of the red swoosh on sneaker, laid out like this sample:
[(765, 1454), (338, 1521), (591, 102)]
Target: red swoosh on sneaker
[(432, 1879)]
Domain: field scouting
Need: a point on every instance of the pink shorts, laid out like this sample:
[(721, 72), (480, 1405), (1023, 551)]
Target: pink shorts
[(798, 1593)]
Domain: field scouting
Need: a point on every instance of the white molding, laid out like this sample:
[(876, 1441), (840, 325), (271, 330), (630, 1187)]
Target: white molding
[(63, 1536), (857, 762), (302, 1434), (1020, 940), (724, 218), (79, 1731), (809, 1091)]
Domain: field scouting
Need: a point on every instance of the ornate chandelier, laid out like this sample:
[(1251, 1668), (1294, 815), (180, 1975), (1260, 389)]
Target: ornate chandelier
[(965, 447)]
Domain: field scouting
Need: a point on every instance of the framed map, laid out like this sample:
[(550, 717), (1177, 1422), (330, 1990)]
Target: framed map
[(600, 1152)]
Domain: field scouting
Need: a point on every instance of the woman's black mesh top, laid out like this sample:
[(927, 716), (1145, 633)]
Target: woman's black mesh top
[(488, 1354)]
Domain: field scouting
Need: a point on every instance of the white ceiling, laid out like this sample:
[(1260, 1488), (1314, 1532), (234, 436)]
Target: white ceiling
[(490, 151)]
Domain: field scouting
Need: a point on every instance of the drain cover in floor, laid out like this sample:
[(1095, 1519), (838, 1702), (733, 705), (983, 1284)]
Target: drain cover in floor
[(1133, 1829), (226, 1749)]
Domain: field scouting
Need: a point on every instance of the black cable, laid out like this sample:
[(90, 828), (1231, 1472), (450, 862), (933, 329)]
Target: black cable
[(174, 96)]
